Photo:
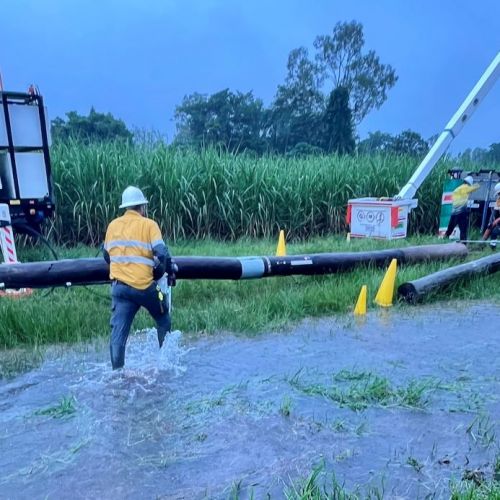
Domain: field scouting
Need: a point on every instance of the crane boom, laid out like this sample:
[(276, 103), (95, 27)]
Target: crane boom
[(453, 128)]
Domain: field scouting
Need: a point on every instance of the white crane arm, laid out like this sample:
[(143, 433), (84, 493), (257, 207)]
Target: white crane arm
[(452, 129)]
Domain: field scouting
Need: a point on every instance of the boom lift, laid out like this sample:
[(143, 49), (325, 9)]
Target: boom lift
[(388, 218)]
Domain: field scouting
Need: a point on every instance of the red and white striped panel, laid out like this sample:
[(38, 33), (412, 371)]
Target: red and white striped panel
[(8, 245)]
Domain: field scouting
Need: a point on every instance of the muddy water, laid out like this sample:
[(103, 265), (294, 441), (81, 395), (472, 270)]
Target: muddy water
[(232, 417)]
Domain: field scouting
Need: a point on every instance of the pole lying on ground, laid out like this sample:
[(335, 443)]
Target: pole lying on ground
[(414, 291), (95, 271)]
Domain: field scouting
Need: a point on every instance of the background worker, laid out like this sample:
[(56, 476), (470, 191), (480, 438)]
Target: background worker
[(493, 229), (138, 256), (460, 210)]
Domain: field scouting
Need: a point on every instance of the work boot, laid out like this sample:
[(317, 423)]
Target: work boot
[(161, 338), (117, 353)]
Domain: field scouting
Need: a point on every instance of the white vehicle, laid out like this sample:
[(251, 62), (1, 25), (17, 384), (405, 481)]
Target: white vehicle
[(26, 192)]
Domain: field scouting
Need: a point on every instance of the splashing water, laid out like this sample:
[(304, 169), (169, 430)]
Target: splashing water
[(143, 354)]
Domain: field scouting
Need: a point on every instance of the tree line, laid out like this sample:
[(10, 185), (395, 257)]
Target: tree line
[(316, 110)]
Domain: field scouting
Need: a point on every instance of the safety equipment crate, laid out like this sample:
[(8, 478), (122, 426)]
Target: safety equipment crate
[(381, 218)]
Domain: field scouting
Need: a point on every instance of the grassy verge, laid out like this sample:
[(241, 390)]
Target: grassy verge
[(208, 307), (319, 485)]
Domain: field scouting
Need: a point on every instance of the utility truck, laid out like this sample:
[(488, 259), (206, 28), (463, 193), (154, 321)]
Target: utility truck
[(387, 218), (26, 190)]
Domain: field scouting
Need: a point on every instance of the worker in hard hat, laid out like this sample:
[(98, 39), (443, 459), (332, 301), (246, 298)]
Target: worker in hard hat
[(493, 229), (138, 256), (460, 210)]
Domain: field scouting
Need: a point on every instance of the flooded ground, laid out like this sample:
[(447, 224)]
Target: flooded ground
[(401, 403)]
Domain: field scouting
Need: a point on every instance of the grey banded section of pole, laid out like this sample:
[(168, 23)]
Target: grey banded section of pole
[(416, 290), (96, 271)]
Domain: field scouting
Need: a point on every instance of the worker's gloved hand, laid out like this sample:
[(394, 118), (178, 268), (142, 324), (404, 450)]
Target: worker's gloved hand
[(169, 265)]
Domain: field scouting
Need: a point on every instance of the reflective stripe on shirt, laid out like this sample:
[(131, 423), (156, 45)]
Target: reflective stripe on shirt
[(129, 244), (157, 242), (123, 259)]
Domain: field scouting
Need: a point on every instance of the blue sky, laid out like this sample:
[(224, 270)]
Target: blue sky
[(138, 59)]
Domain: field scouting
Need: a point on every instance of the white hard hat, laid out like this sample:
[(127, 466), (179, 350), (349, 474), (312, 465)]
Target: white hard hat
[(469, 180), (133, 197), (497, 188)]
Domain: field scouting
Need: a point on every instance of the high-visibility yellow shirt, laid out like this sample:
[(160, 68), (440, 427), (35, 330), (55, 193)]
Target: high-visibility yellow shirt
[(460, 196), (130, 240)]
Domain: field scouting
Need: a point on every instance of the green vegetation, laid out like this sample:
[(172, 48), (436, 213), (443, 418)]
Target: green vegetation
[(91, 128), (207, 307), (320, 485), (300, 118), (482, 430), (211, 194), (475, 490), (364, 389), (286, 406), (65, 408)]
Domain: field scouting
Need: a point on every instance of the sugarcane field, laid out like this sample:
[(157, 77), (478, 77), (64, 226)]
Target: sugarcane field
[(246, 273)]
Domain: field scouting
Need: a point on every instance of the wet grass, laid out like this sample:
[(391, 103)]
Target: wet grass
[(482, 430), (471, 490), (205, 307), (320, 485), (360, 390), (413, 462), (286, 406), (19, 360), (64, 409)]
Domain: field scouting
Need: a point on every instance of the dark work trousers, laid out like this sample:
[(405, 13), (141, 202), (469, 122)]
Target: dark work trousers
[(462, 220), (126, 301)]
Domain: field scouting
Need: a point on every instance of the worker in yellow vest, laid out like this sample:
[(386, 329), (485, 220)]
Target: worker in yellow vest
[(460, 210), (137, 256)]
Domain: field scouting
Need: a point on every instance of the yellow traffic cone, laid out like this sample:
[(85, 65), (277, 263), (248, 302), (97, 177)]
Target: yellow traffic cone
[(385, 293), (281, 248), (360, 308)]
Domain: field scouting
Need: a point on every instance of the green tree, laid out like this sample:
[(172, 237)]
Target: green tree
[(410, 143), (233, 120), (342, 62), (96, 127), (337, 124), (295, 113), (376, 142), (493, 154)]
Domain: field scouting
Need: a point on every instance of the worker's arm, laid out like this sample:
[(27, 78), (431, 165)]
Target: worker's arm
[(471, 189), (161, 253), (105, 252)]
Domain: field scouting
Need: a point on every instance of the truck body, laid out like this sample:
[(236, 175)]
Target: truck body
[(25, 169)]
